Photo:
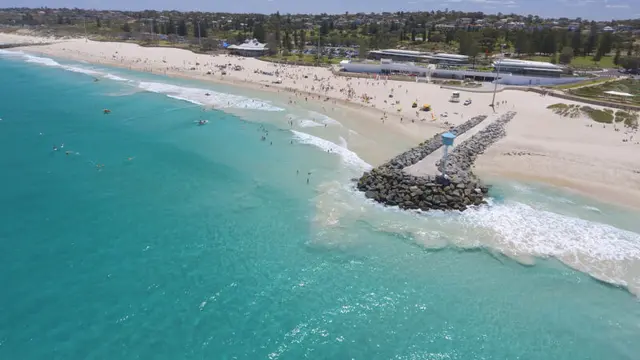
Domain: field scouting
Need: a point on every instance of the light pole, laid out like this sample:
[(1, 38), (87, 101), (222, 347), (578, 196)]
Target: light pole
[(495, 88)]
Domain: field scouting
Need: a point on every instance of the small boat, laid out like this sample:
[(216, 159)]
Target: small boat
[(203, 122)]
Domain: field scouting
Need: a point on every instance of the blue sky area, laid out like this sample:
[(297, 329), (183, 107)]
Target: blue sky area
[(588, 9)]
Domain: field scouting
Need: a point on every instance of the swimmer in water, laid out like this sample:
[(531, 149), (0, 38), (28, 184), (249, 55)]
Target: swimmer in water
[(67, 152), (55, 148), (62, 146)]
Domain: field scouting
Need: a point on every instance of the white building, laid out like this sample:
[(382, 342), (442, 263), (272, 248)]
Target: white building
[(411, 55), (249, 48), (527, 67)]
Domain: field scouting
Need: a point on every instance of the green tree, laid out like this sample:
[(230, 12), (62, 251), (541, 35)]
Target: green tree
[(272, 44), (126, 27), (590, 44), (182, 28), (171, 27), (363, 49), (203, 29), (605, 44), (630, 62), (154, 26), (287, 44), (259, 32), (596, 58), (98, 24), (616, 58), (303, 39), (576, 41), (549, 44), (553, 59), (324, 28), (278, 36), (523, 43), (566, 55)]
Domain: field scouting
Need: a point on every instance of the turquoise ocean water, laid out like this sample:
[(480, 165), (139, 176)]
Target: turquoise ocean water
[(155, 238)]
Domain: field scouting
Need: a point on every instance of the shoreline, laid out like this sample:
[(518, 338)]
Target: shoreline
[(384, 127)]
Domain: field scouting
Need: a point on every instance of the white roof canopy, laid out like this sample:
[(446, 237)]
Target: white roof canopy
[(618, 93)]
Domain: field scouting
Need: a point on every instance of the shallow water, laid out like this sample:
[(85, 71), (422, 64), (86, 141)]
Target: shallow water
[(205, 242)]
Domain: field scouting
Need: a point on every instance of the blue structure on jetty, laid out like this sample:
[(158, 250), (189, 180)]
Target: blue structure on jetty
[(447, 141)]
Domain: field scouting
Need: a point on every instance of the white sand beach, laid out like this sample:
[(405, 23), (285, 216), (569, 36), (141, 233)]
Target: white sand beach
[(574, 153)]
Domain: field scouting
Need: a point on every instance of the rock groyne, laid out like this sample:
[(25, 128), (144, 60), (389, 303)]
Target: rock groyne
[(390, 185), (425, 148), (464, 155)]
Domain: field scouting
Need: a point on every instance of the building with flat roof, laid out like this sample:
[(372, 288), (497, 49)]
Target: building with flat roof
[(418, 56), (249, 48), (527, 67)]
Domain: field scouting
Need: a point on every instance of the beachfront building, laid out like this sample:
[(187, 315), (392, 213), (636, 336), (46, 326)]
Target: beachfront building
[(449, 59), (418, 56), (398, 55), (526, 67), (251, 48), (428, 71)]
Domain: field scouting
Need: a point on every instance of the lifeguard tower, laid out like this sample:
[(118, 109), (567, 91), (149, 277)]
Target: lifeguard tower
[(447, 141)]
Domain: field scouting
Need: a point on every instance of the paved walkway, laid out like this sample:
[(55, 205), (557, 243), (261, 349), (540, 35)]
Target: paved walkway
[(427, 166)]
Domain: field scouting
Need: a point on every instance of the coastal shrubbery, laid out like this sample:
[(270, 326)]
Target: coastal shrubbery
[(601, 116), (605, 116), (629, 119)]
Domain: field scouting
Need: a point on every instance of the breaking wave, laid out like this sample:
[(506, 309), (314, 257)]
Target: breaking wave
[(207, 97), (197, 96), (348, 157)]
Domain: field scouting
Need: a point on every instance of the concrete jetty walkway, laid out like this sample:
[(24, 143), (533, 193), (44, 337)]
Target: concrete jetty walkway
[(427, 166)]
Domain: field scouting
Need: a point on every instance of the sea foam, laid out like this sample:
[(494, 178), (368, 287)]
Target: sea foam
[(323, 119), (348, 157), (200, 97), (194, 95), (523, 228)]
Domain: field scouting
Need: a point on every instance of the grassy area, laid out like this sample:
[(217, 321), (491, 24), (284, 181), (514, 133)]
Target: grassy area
[(582, 62), (581, 83), (601, 116), (629, 119), (572, 111), (605, 116), (630, 86)]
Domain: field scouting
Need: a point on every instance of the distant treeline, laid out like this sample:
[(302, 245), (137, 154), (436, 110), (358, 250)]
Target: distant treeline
[(468, 33)]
